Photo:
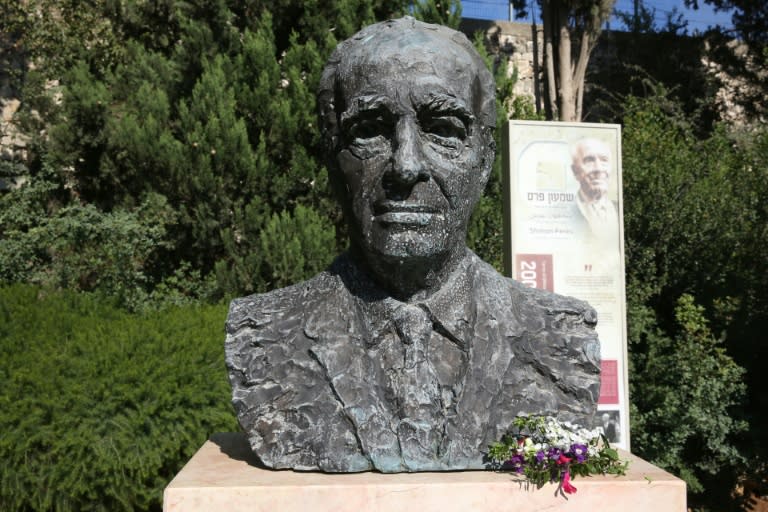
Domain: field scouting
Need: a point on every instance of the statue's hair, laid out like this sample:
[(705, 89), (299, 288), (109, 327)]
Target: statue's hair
[(328, 98)]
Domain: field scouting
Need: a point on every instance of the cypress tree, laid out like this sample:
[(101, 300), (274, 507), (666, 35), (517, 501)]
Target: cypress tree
[(208, 106)]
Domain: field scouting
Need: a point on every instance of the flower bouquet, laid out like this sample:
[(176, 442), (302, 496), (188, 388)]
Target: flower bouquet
[(547, 450)]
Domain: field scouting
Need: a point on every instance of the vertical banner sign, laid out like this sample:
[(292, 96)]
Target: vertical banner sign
[(563, 232)]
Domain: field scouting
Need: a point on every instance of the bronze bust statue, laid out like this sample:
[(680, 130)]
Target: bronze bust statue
[(409, 353)]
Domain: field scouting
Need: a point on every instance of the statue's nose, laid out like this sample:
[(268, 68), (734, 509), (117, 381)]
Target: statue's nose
[(408, 165)]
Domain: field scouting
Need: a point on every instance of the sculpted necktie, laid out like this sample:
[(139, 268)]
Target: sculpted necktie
[(416, 388)]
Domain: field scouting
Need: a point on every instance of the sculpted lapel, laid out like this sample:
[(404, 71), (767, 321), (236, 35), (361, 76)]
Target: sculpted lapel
[(352, 375)]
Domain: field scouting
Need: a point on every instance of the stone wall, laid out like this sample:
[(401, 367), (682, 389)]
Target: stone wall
[(694, 66), (516, 43), (739, 98), (13, 144)]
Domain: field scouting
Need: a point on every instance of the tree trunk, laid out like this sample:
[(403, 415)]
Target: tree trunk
[(580, 72), (538, 90), (565, 69), (549, 60), (565, 72)]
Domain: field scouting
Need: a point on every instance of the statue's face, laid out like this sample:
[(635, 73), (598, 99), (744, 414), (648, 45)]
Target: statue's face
[(412, 158), (592, 168)]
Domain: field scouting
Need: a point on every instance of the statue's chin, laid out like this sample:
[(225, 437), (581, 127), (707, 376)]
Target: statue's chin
[(408, 248)]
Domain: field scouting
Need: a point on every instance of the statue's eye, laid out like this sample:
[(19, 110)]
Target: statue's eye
[(369, 125), (368, 133), (447, 126), (369, 128), (445, 129)]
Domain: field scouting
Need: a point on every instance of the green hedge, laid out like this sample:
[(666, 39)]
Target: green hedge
[(100, 408)]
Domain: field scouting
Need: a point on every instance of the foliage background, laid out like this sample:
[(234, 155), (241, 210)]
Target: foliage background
[(101, 407), (172, 162)]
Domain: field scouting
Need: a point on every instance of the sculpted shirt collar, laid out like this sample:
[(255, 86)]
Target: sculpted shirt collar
[(450, 308)]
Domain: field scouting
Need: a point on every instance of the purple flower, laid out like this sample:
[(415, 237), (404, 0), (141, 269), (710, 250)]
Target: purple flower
[(554, 453), (540, 456), (516, 462), (579, 452)]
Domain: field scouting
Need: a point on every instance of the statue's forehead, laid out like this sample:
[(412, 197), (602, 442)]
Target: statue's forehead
[(413, 60), (391, 37), (407, 48)]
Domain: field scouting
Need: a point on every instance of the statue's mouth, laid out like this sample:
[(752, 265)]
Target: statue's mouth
[(405, 213)]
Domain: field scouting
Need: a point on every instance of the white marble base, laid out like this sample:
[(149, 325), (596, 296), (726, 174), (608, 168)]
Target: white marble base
[(222, 476)]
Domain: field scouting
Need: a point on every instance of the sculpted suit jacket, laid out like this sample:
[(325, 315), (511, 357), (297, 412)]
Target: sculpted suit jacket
[(312, 369)]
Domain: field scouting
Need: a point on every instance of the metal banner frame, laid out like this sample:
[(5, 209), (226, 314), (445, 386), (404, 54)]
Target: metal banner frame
[(564, 232)]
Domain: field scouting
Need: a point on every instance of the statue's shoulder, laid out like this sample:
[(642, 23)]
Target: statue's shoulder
[(557, 305), (552, 347), (510, 294), (260, 310), (280, 386)]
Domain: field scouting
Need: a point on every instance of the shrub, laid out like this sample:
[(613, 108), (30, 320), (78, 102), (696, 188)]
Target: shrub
[(100, 408)]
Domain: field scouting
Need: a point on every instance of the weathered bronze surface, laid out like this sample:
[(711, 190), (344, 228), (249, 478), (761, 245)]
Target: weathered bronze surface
[(409, 353)]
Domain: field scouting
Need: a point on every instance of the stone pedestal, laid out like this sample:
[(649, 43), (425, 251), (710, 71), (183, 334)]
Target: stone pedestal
[(223, 476)]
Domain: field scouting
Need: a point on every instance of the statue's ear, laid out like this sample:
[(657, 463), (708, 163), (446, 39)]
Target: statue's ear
[(489, 153), (487, 94), (326, 113)]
